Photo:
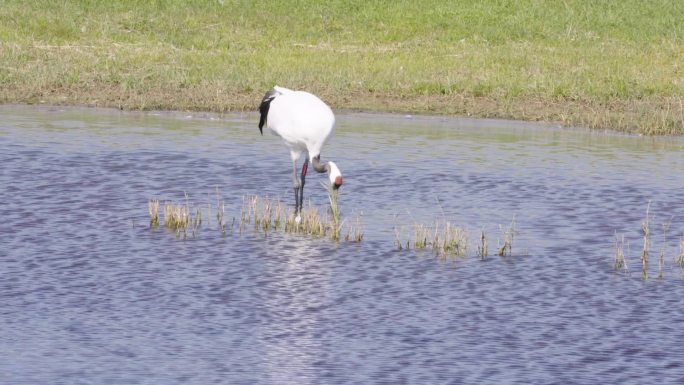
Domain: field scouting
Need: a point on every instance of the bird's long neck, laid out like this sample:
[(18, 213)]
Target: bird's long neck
[(316, 163)]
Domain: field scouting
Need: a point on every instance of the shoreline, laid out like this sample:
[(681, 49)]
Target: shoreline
[(396, 115), (562, 115)]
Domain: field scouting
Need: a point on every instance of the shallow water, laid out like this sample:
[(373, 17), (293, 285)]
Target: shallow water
[(90, 294)]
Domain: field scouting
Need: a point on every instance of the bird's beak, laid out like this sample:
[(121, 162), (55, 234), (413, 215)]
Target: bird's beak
[(338, 182)]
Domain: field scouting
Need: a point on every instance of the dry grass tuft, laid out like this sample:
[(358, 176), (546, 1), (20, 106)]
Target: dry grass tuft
[(506, 245), (153, 208), (619, 255), (176, 215), (443, 238), (263, 215), (663, 249), (619, 260), (679, 260), (482, 246), (355, 231), (646, 229), (266, 214)]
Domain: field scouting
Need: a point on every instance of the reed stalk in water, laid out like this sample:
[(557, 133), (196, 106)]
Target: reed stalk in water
[(646, 229), (277, 220), (482, 246), (663, 249), (196, 222), (454, 240), (354, 232), (175, 215), (220, 217), (220, 212), (619, 260), (679, 260), (421, 236), (153, 208), (506, 246), (397, 238), (267, 214), (334, 211), (358, 230), (443, 238)]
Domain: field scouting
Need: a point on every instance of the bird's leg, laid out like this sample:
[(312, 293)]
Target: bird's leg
[(305, 168), (296, 183)]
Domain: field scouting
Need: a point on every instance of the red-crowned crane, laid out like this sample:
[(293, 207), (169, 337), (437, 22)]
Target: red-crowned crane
[(304, 122)]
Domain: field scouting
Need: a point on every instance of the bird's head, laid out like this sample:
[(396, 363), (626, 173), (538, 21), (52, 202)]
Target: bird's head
[(335, 175)]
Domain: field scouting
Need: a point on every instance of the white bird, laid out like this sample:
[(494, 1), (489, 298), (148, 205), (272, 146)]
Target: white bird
[(304, 122)]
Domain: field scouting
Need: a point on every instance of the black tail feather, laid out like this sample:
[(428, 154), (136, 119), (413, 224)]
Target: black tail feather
[(264, 106)]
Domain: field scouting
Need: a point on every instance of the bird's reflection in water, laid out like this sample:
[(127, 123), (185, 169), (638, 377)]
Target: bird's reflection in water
[(295, 302)]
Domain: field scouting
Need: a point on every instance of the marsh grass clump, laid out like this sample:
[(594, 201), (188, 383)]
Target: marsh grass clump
[(454, 240), (506, 244), (175, 215), (220, 216), (243, 216), (220, 212), (679, 259), (332, 198), (620, 256), (196, 221), (646, 230), (179, 217), (619, 260), (312, 223), (355, 231), (443, 238), (252, 207), (397, 238), (420, 241), (446, 239), (334, 211), (265, 214), (153, 208), (482, 245), (257, 212), (663, 249), (279, 214)]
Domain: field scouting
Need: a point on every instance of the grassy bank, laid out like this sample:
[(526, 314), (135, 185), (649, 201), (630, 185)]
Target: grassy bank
[(593, 63)]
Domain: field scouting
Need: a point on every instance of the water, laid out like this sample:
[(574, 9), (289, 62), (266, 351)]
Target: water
[(89, 294)]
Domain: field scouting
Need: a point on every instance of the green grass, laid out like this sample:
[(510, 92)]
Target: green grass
[(599, 64)]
